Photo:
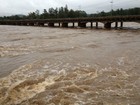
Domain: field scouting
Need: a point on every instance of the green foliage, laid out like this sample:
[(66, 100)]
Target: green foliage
[(118, 12), (13, 17), (64, 12)]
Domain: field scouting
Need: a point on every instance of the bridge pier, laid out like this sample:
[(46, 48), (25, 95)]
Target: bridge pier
[(65, 24), (11, 24), (91, 24), (96, 24), (51, 24), (73, 24), (15, 23), (40, 24), (59, 24), (107, 25), (121, 26), (82, 24), (8, 23), (31, 24), (24, 24), (19, 24), (116, 25), (4, 23)]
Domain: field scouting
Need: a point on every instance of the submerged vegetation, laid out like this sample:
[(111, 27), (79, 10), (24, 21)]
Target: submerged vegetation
[(64, 12)]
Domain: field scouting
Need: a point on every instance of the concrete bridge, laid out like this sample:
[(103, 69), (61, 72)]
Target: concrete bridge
[(107, 21)]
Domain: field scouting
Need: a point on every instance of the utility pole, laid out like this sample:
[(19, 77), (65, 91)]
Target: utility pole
[(111, 6)]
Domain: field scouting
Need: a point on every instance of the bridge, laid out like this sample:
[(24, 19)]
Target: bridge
[(107, 21)]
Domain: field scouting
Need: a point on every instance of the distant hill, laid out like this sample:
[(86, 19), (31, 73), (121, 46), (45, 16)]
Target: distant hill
[(118, 12), (20, 15)]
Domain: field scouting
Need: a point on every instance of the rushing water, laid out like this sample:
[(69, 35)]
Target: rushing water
[(60, 66)]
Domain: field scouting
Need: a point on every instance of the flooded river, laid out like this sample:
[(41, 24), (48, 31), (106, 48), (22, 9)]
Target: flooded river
[(65, 66)]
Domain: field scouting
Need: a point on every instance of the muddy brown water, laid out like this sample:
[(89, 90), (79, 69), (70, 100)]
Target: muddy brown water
[(60, 66)]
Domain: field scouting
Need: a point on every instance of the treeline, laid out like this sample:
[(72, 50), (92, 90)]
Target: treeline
[(118, 12), (64, 12)]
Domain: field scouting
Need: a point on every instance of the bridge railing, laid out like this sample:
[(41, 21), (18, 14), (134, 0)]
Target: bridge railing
[(130, 18)]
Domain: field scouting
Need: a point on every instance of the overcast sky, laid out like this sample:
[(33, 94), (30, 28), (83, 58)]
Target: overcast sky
[(11, 7)]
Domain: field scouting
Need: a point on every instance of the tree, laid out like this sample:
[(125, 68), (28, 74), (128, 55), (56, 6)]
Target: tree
[(71, 14), (64, 12), (32, 15), (44, 15), (61, 12), (37, 13), (51, 13)]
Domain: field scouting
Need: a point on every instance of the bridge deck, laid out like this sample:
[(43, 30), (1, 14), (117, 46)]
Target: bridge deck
[(106, 20)]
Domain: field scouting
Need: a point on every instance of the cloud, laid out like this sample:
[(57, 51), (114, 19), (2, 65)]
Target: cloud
[(9, 7)]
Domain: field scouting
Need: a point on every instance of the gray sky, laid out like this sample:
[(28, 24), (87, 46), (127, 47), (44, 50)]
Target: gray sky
[(11, 7)]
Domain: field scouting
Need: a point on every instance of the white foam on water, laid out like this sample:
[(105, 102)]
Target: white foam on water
[(64, 69)]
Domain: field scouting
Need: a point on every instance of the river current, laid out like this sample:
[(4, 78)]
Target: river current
[(65, 66)]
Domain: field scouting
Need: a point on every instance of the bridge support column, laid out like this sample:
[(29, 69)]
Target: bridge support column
[(40, 24), (116, 25), (64, 24), (107, 25), (31, 24), (9, 23), (51, 24), (91, 24), (19, 24), (82, 24), (3, 23), (12, 23), (59, 24), (121, 26), (96, 24), (24, 24), (73, 24)]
